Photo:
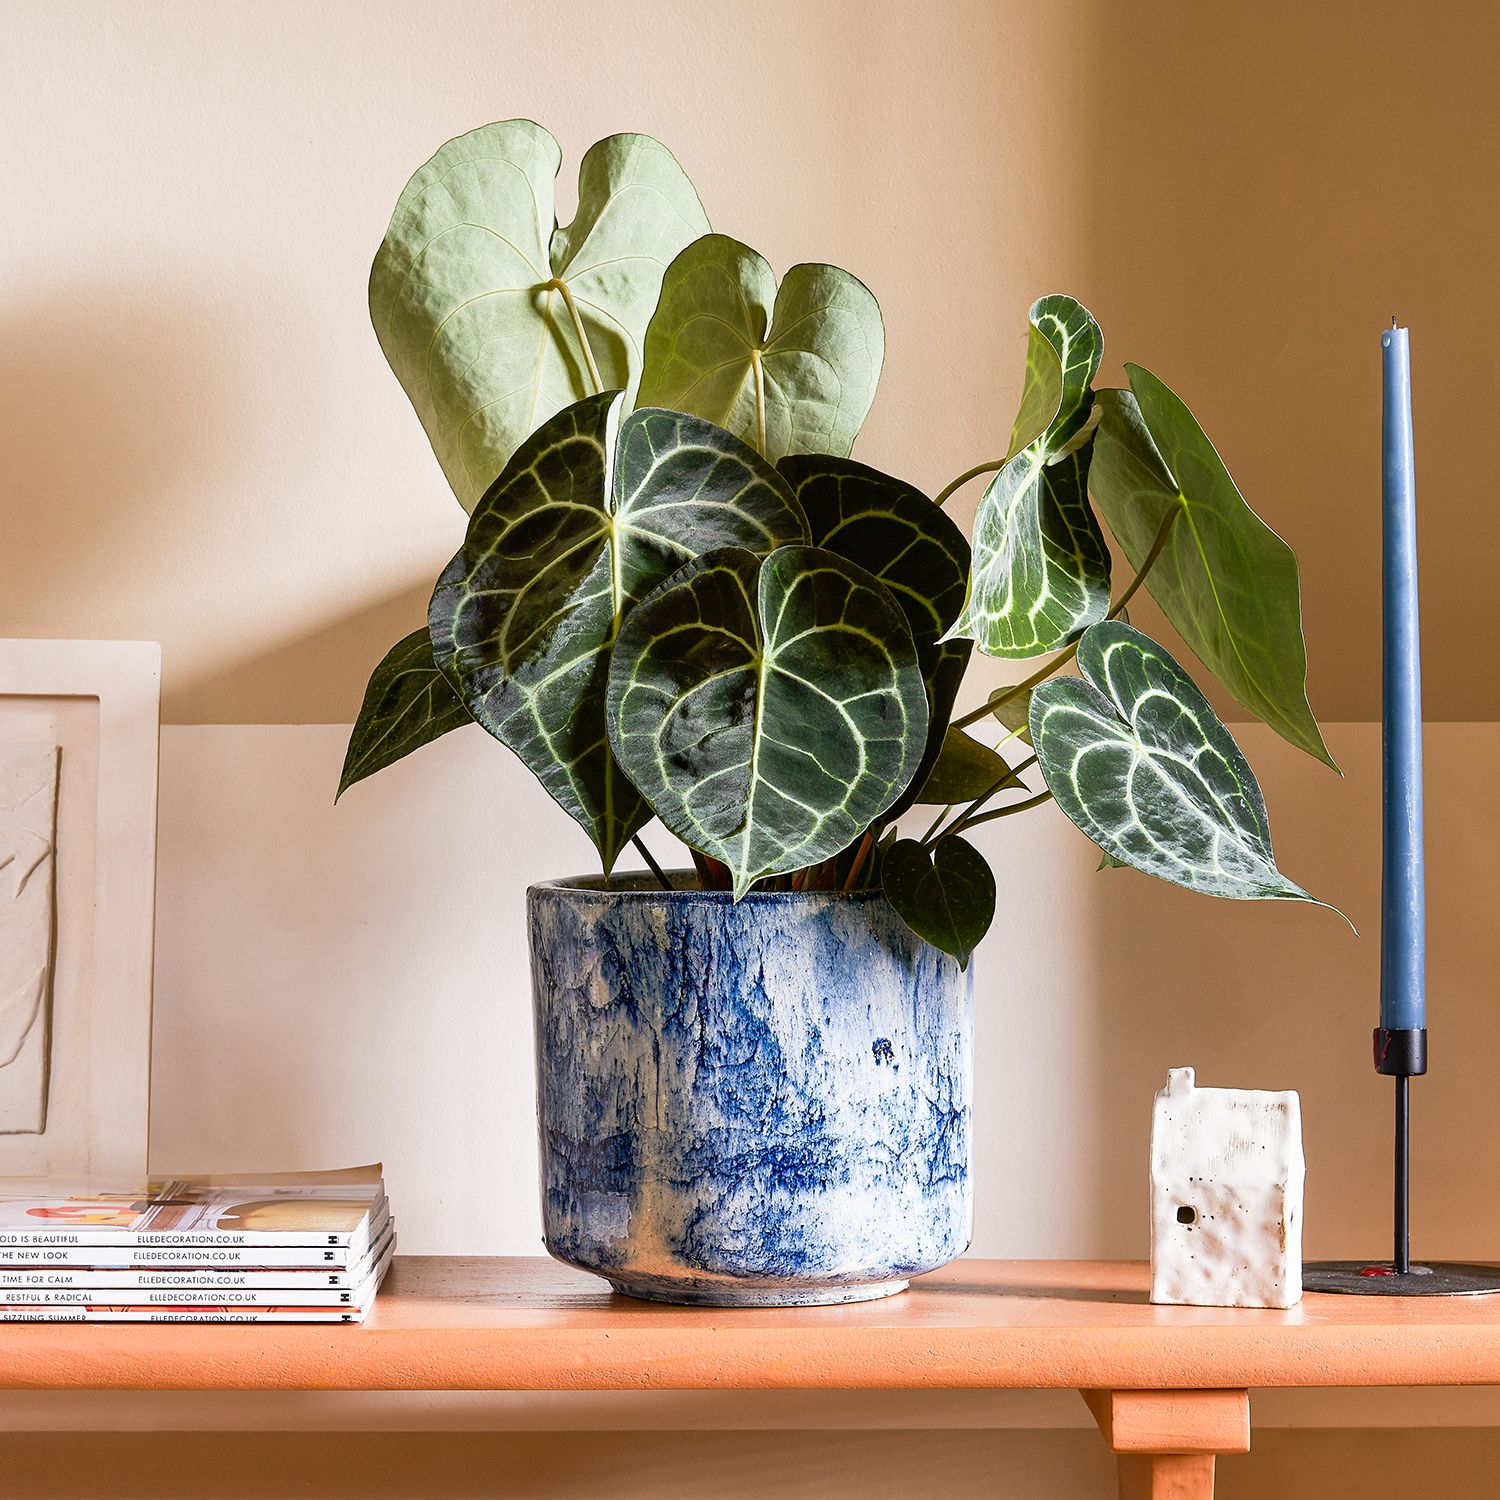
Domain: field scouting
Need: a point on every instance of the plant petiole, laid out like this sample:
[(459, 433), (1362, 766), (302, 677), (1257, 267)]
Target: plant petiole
[(964, 824), (962, 821), (583, 338), (645, 854), (860, 855), (947, 493)]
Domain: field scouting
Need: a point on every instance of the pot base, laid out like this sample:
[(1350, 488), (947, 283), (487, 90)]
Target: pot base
[(714, 1295)]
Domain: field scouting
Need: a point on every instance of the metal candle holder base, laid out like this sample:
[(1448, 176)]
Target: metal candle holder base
[(1401, 1055), (1439, 1278)]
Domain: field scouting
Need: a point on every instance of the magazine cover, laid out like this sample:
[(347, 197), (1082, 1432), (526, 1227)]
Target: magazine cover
[(295, 1209)]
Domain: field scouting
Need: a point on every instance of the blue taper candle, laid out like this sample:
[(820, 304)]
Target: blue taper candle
[(1403, 920)]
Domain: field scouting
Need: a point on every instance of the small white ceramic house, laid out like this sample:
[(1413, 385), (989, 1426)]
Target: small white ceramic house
[(1226, 1196)]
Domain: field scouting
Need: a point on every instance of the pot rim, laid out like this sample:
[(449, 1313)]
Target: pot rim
[(643, 886)]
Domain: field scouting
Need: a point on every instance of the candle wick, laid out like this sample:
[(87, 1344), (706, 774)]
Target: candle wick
[(1393, 320)]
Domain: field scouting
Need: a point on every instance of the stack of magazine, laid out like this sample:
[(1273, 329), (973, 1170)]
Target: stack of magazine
[(301, 1247)]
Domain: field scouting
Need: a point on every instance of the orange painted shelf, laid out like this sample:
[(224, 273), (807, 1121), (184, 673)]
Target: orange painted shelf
[(530, 1324)]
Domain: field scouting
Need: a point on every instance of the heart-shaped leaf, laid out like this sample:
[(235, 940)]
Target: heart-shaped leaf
[(946, 895), (891, 529), (1041, 566), (407, 703), (965, 769), (1224, 579), (591, 513), (790, 370), (492, 317), (769, 710), (1137, 758)]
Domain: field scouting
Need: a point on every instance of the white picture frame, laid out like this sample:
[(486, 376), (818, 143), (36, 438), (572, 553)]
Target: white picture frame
[(99, 702)]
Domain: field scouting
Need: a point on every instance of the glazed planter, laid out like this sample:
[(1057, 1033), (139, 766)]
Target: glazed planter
[(762, 1103)]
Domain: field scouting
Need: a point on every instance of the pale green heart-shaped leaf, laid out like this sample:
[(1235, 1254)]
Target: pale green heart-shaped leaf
[(407, 703), (1137, 758), (1041, 566), (769, 710), (946, 895), (891, 529), (964, 770), (592, 512), (1224, 579), (492, 317), (790, 370)]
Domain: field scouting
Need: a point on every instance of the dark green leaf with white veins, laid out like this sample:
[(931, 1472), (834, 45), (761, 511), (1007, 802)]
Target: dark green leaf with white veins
[(407, 703), (591, 513), (1041, 566), (483, 305), (768, 710), (1225, 580), (1137, 758), (946, 895), (1071, 330), (790, 369), (891, 529)]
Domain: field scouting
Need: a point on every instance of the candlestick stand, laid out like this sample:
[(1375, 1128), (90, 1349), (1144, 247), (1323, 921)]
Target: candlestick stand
[(1401, 1055)]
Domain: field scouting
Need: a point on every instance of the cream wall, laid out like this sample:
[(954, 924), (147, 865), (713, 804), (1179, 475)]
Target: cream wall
[(207, 446), (202, 445)]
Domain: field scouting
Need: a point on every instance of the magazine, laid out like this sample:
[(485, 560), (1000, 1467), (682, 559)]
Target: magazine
[(103, 1314), (338, 1211), (130, 1272), (44, 1301)]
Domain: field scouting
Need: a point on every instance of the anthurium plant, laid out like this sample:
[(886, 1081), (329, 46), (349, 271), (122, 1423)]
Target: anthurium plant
[(679, 598)]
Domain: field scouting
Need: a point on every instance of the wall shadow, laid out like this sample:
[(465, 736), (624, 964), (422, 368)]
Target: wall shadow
[(107, 412), (1265, 192), (317, 676)]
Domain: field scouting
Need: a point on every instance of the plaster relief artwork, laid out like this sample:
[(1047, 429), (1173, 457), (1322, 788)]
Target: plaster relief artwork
[(28, 821)]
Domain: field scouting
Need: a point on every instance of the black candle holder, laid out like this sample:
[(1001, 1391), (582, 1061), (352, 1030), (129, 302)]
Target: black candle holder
[(1401, 1055)]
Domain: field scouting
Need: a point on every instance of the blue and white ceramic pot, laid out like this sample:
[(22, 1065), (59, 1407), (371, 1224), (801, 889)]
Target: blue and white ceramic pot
[(752, 1104)]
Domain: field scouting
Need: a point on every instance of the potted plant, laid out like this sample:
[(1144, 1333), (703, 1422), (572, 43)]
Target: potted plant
[(679, 598)]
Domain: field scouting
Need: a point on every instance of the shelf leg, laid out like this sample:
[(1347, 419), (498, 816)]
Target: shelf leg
[(1166, 1476), (1166, 1441)]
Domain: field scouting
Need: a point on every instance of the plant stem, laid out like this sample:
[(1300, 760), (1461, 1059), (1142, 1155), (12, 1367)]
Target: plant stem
[(583, 338), (1158, 545), (994, 701), (962, 821), (947, 494), (645, 854), (860, 856), (936, 823), (966, 823), (1063, 657)]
